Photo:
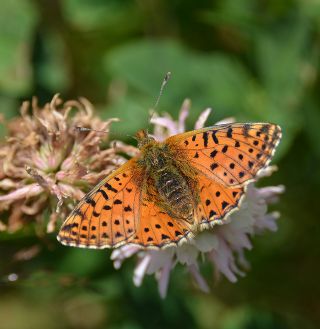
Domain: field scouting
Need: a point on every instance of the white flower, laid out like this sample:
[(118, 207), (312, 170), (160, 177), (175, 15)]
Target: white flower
[(224, 245)]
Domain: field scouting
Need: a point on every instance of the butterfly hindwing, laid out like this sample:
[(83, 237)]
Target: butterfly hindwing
[(158, 229), (216, 201), (107, 216), (232, 154)]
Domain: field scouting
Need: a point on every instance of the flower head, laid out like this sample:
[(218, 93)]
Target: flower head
[(223, 246), (52, 154)]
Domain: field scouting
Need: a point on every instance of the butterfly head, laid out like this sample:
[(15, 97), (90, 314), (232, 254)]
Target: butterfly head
[(143, 138)]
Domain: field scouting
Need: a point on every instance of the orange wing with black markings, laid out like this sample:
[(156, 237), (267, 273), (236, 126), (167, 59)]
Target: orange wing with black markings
[(106, 217), (216, 201), (158, 229), (232, 154), (217, 162)]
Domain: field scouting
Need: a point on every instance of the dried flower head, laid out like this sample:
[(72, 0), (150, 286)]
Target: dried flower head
[(52, 153), (222, 246)]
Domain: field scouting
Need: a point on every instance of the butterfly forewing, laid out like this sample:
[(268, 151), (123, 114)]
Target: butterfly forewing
[(108, 215), (232, 154)]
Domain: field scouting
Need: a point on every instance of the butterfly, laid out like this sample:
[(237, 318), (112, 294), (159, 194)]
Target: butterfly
[(173, 189)]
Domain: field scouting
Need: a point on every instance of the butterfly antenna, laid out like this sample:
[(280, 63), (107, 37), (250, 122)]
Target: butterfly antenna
[(164, 82)]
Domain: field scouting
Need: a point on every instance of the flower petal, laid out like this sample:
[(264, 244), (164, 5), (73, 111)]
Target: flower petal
[(194, 270), (184, 112), (163, 279), (23, 192), (141, 269), (202, 118), (120, 254), (167, 123)]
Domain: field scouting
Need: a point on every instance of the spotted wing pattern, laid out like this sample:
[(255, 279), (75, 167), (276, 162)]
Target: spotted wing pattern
[(158, 229), (216, 201), (108, 215), (232, 154)]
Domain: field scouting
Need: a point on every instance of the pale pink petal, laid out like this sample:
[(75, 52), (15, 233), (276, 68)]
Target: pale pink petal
[(159, 258), (39, 162), (267, 222), (237, 239), (167, 123), (206, 241), (163, 279), (141, 269), (187, 254), (266, 172), (67, 164), (270, 193), (23, 192), (119, 255), (226, 121), (184, 112), (194, 270), (202, 118), (224, 262)]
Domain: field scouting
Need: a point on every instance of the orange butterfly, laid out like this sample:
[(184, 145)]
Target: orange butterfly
[(173, 189)]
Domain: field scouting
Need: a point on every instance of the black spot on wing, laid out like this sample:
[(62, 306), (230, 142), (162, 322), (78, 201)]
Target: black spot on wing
[(225, 149), (110, 187), (213, 153), (90, 201), (214, 137), (205, 138), (212, 213), (213, 166), (224, 204), (104, 194)]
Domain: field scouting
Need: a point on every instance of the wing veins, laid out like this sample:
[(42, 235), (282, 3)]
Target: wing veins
[(222, 167)]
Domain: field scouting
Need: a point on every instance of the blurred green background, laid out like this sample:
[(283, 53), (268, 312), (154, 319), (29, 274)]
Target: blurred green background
[(255, 60)]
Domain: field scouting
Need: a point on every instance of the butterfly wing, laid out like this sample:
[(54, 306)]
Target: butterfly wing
[(106, 217), (232, 154), (216, 201), (157, 229)]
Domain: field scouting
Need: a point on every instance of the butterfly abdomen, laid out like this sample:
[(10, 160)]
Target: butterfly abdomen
[(174, 192)]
